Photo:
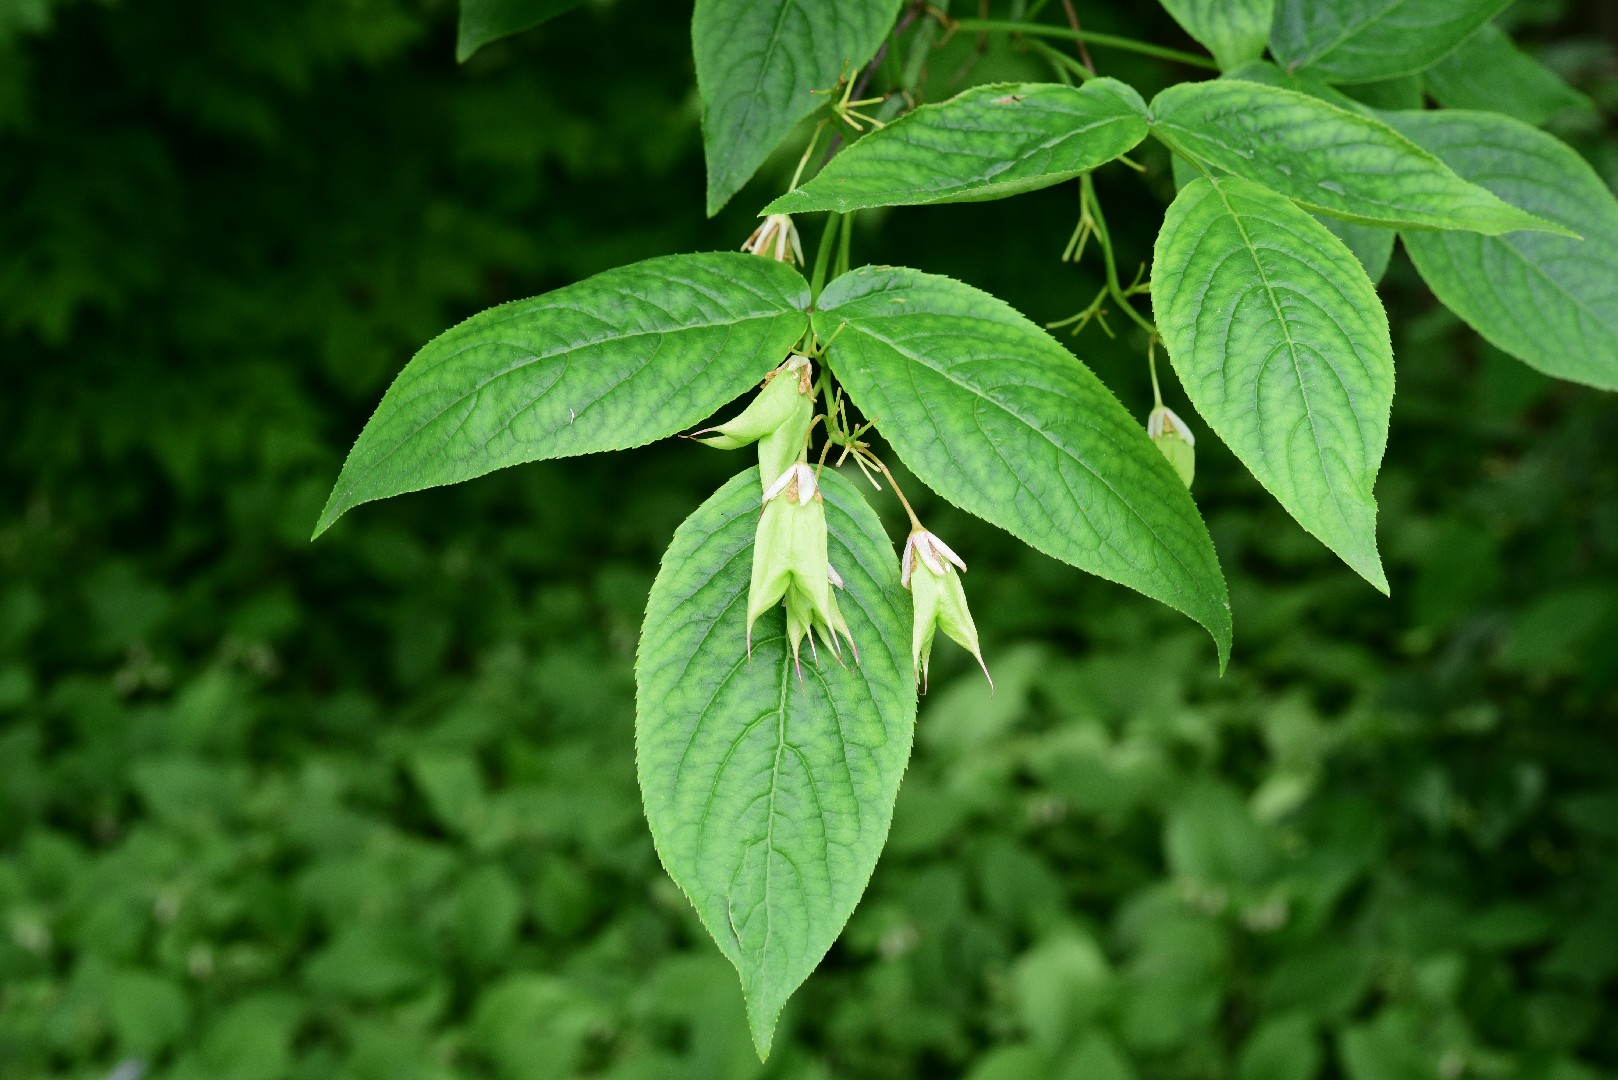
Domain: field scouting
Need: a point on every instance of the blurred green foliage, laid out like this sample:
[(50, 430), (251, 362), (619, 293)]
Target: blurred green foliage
[(367, 808)]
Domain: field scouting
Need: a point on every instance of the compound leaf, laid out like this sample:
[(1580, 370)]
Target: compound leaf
[(1281, 344), (757, 63), (1351, 41), (1550, 301), (483, 21), (1329, 159), (992, 413), (1233, 30), (986, 143), (617, 360), (769, 797)]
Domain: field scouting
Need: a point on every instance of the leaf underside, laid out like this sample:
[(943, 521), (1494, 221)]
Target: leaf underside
[(621, 359), (1280, 342), (993, 414), (986, 143), (757, 63), (769, 799), (1548, 300)]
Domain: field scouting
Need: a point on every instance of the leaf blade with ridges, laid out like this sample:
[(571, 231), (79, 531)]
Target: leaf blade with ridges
[(1329, 159), (733, 753), (1241, 277), (621, 359), (993, 414), (1550, 301), (986, 143)]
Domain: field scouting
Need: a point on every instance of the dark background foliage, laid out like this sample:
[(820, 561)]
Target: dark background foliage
[(366, 808)]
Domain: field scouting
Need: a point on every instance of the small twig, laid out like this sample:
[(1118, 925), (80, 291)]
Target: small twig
[(1078, 35)]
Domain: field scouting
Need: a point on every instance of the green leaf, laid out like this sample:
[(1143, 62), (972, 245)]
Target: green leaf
[(769, 798), (1280, 342), (1551, 302), (757, 63), (986, 143), (1350, 41), (1372, 245), (1233, 30), (483, 21), (996, 416), (618, 360), (1329, 159), (1490, 73)]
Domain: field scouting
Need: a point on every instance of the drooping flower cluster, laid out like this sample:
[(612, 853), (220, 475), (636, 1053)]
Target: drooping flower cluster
[(790, 564)]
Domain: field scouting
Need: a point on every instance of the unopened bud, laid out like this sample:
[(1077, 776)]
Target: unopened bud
[(776, 238), (778, 418), (929, 569), (1175, 440)]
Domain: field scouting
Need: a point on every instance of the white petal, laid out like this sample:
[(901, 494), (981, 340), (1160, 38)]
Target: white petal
[(924, 548), (907, 562), (832, 574), (806, 482), (944, 550), (780, 484)]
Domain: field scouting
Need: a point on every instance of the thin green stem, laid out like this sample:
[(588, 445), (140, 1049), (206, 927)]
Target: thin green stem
[(844, 245), (1090, 37), (1064, 64), (1151, 365), (828, 238), (1104, 239)]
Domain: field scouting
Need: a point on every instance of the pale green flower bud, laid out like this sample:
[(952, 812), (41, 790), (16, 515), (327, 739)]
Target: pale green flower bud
[(929, 569), (778, 419), (1175, 440)]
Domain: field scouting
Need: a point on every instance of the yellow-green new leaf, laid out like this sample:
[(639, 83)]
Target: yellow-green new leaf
[(1548, 300), (769, 798), (986, 143), (621, 359), (1329, 159), (995, 415), (1281, 343)]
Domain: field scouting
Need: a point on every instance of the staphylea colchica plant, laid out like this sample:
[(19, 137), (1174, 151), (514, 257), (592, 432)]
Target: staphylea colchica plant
[(786, 637)]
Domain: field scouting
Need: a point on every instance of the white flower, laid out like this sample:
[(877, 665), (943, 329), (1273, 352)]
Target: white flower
[(797, 483), (1163, 421), (932, 551), (776, 238)]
